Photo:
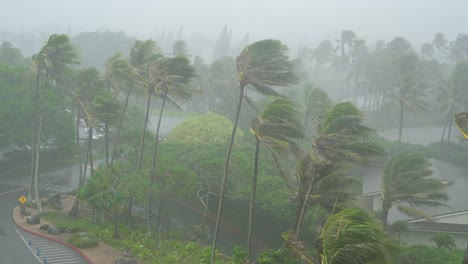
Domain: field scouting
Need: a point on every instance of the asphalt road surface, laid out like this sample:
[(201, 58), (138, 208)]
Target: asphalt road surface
[(12, 248)]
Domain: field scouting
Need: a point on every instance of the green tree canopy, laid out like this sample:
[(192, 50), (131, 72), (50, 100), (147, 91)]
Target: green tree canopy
[(206, 129)]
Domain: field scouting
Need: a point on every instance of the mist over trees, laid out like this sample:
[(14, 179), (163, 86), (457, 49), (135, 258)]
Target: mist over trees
[(270, 131)]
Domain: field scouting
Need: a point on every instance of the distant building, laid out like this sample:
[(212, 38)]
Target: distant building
[(451, 220)]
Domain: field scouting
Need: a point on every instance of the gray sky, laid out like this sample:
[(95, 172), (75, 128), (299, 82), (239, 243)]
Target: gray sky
[(292, 21)]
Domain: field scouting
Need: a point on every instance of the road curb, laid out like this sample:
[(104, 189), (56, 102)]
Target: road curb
[(77, 250)]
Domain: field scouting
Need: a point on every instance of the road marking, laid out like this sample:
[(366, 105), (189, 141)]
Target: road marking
[(12, 191), (30, 248), (25, 188)]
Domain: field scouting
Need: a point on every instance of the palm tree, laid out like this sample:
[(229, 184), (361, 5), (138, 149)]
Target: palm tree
[(278, 127), (316, 102), (347, 39), (169, 77), (323, 55), (118, 73), (407, 76), (353, 236), (141, 55), (83, 93), (341, 136), (262, 64), (51, 62), (407, 180)]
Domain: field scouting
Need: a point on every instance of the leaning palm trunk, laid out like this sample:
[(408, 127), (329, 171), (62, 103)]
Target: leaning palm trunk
[(142, 139), (33, 138), (400, 129), (38, 146), (153, 166), (252, 198), (117, 137), (90, 149), (226, 170), (302, 208), (447, 121), (74, 210)]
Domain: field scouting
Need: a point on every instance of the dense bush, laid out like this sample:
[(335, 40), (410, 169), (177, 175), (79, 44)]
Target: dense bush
[(420, 254), (83, 240)]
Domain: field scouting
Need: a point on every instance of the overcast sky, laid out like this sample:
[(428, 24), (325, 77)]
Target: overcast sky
[(291, 20)]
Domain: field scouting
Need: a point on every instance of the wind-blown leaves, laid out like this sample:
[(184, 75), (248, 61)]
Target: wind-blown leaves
[(407, 179), (264, 64), (353, 237), (461, 119)]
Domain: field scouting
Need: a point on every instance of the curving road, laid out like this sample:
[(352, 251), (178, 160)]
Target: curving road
[(12, 248)]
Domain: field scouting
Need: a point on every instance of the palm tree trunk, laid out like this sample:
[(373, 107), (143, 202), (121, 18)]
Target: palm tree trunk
[(142, 139), (33, 138), (226, 170), (281, 171), (385, 217), (316, 73), (449, 116), (449, 134), (302, 207), (153, 165), (38, 146), (117, 137), (76, 204), (252, 199), (400, 129), (160, 209), (90, 146)]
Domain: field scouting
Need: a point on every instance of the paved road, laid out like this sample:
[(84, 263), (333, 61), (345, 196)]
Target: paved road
[(13, 248)]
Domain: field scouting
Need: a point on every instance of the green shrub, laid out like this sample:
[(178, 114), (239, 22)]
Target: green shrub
[(83, 240), (280, 256), (420, 254), (443, 240)]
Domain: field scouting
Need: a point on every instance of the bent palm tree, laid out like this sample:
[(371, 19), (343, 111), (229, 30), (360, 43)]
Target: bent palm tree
[(407, 180), (353, 236), (341, 136), (169, 77), (262, 64), (278, 128), (52, 61)]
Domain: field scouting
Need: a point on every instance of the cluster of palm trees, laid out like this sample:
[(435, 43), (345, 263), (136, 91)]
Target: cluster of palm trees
[(392, 78), (320, 178)]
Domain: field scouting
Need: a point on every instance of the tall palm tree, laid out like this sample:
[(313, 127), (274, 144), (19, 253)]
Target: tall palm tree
[(118, 73), (83, 92), (52, 62), (407, 75), (141, 55), (407, 180), (341, 136), (279, 128), (346, 40), (262, 64), (169, 77), (323, 55), (353, 236)]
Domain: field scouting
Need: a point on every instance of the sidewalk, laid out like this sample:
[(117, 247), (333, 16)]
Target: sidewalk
[(102, 254)]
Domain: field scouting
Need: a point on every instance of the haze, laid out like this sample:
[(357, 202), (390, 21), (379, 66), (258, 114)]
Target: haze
[(296, 21)]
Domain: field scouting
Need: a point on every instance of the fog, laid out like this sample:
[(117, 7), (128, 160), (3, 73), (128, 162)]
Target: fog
[(300, 131), (294, 22)]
